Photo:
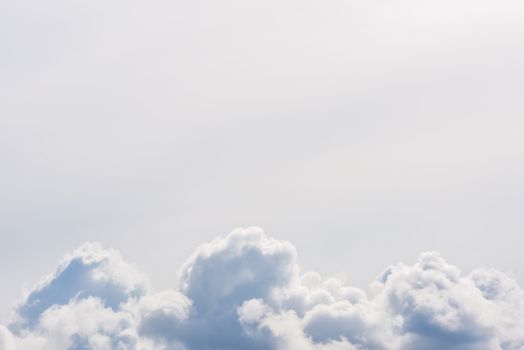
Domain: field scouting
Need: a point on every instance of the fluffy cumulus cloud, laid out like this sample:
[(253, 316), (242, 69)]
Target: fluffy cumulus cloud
[(90, 271), (6, 339), (246, 291)]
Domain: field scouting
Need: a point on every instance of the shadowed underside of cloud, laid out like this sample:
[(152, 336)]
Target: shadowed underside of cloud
[(246, 291)]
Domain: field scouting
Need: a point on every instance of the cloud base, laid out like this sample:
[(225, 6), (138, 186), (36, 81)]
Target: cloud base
[(246, 290)]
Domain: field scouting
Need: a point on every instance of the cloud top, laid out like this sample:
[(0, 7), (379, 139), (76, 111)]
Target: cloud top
[(245, 290), (89, 271)]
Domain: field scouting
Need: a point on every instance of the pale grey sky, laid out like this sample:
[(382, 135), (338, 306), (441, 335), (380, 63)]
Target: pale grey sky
[(362, 131)]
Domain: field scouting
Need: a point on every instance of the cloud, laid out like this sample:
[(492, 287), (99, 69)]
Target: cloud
[(219, 277), (82, 324), (89, 271), (245, 290), (438, 308), (6, 339)]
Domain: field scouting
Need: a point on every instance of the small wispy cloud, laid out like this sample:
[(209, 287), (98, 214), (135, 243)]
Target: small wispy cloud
[(246, 291)]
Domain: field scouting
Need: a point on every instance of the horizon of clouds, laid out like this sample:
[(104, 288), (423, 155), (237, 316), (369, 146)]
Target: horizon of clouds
[(246, 290)]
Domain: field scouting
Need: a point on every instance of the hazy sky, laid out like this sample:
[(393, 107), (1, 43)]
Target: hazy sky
[(364, 132)]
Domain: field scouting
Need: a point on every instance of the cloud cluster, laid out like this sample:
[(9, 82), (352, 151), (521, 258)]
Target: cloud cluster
[(246, 291)]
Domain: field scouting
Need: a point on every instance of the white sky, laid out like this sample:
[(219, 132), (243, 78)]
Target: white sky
[(362, 131)]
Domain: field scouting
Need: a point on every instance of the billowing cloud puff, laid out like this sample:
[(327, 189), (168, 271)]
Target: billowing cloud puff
[(506, 301), (90, 271), (6, 339), (82, 324), (436, 307), (245, 264), (246, 291)]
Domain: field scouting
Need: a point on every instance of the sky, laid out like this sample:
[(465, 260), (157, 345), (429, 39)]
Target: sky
[(363, 132)]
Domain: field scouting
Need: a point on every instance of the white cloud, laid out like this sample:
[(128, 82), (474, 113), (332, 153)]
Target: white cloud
[(245, 264), (436, 307), (246, 291), (89, 271), (82, 324), (506, 300), (6, 339)]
